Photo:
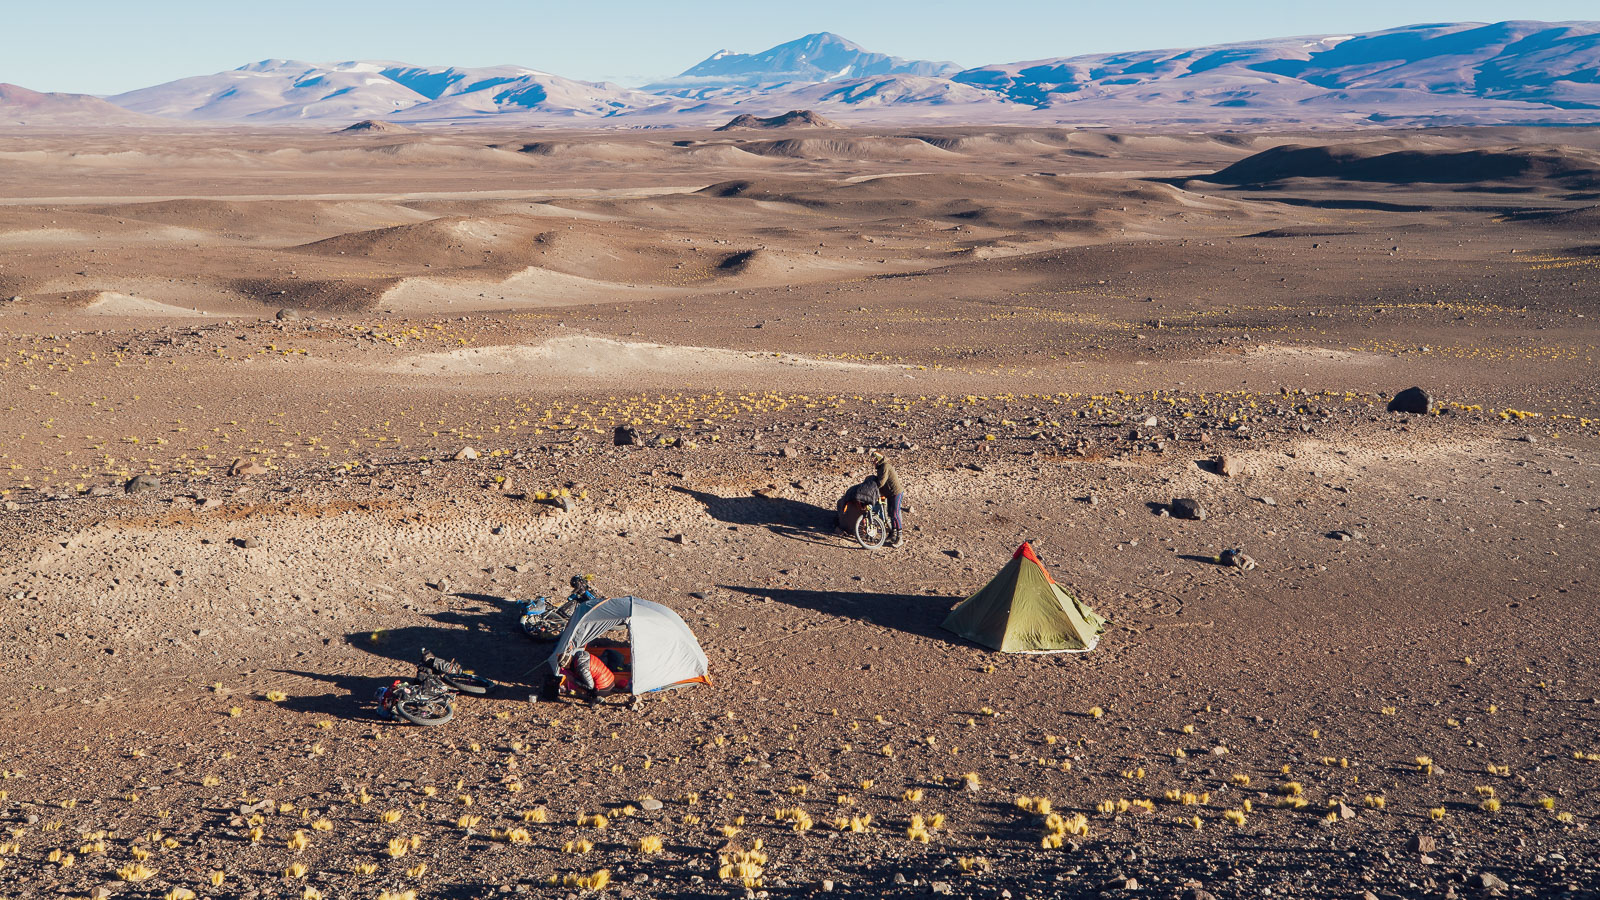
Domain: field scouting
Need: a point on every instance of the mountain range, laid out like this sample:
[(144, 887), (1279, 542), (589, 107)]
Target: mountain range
[(1519, 72)]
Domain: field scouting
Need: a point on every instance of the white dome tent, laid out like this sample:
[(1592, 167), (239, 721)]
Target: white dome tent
[(664, 651)]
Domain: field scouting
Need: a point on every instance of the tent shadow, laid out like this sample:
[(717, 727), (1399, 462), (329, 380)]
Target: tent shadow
[(919, 614), (780, 515)]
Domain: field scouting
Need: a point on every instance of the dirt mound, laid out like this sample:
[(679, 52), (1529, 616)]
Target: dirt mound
[(448, 242), (847, 148), (375, 126), (794, 118), (1374, 163), (324, 294), (607, 151)]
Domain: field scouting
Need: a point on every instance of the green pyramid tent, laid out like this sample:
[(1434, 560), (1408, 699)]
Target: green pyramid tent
[(1023, 610)]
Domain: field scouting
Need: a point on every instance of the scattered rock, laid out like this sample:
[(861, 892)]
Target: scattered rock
[(439, 584), (650, 804), (248, 543), (1236, 559), (138, 484), (11, 506), (627, 436), (788, 452), (827, 884), (242, 469), (1413, 400), (1268, 501), (954, 554), (1230, 466), (1483, 881), (1345, 535), (941, 887), (1422, 843), (465, 453), (1345, 812), (287, 314), (1195, 893), (1188, 508)]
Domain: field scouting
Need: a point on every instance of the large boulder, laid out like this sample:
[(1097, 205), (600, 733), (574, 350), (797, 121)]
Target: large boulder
[(138, 484), (1414, 400), (1188, 508), (627, 436)]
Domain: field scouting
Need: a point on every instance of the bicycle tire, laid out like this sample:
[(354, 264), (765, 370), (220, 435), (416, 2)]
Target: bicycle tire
[(431, 711), (467, 683), (870, 533)]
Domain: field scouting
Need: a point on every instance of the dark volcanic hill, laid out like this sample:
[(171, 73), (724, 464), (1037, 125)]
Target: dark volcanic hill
[(794, 118)]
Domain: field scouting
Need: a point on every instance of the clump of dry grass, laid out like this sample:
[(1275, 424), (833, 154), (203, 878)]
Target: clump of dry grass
[(743, 866)]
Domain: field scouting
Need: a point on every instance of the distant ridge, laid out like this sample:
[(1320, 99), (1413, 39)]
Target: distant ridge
[(794, 118), (21, 106)]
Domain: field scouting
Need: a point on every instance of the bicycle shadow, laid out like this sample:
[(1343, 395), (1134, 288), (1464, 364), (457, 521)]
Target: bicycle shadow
[(351, 698), (919, 614), (793, 519)]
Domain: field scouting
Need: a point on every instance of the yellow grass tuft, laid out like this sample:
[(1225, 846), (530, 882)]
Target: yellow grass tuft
[(277, 696), (1241, 779), (1490, 805), (417, 871), (911, 795), (1371, 801), (1547, 802), (596, 820), (298, 841), (397, 847), (217, 877), (468, 821), (582, 845), (134, 873), (1292, 802), (178, 893), (296, 870), (649, 845), (366, 868), (1234, 816), (1291, 789), (1436, 813), (536, 815), (1096, 712), (518, 836)]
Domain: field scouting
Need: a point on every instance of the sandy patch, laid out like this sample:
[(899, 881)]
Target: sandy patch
[(589, 356), (532, 287), (113, 303)]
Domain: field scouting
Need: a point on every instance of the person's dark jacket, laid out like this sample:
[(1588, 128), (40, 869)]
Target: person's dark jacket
[(888, 481)]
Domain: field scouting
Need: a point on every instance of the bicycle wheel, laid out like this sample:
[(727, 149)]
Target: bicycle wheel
[(426, 710), (870, 532), (468, 683)]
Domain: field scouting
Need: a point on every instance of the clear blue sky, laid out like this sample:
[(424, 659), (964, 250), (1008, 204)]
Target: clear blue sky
[(108, 46)]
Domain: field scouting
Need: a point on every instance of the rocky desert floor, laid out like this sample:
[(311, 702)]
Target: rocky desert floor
[(1053, 333)]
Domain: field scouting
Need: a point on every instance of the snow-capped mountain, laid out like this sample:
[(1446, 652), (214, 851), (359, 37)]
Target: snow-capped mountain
[(1505, 69), (278, 90), (820, 57), (1461, 73)]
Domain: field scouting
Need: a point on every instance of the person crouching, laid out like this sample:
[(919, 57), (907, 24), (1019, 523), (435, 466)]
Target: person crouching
[(587, 677)]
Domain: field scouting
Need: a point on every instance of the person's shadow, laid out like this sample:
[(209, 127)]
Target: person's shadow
[(919, 614), (780, 515)]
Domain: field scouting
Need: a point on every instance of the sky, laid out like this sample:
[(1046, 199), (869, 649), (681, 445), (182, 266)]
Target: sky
[(108, 46)]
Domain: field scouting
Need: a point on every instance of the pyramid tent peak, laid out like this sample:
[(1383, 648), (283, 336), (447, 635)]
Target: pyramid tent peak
[(1023, 610)]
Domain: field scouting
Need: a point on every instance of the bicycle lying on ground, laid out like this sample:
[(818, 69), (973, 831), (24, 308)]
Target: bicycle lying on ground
[(428, 698), (542, 623)]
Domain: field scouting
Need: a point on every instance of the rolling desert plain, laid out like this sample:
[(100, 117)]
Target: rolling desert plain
[(1053, 333)]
